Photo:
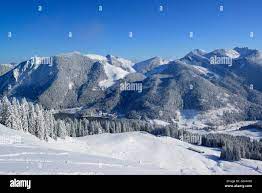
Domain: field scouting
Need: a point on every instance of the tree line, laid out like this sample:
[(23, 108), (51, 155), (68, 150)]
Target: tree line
[(34, 119), (29, 117), (234, 147)]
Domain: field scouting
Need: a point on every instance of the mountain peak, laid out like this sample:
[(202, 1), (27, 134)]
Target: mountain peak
[(225, 53), (245, 51), (148, 65), (70, 53), (196, 52), (96, 57), (199, 52), (123, 63)]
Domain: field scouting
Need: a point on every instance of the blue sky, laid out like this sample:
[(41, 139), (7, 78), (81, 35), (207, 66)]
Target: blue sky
[(155, 33)]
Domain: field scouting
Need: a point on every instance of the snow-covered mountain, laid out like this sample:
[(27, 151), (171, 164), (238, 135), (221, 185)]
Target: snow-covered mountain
[(127, 153), (96, 57), (115, 68), (190, 92), (193, 83), (223, 53), (201, 57), (115, 61), (197, 55), (78, 79), (190, 83), (150, 64), (4, 68), (121, 63), (245, 51)]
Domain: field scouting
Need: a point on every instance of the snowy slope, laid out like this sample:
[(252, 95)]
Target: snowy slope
[(150, 64), (96, 57), (224, 53), (123, 63), (127, 153), (113, 73), (4, 68), (7, 65), (191, 118), (167, 153), (22, 153), (114, 61), (115, 68)]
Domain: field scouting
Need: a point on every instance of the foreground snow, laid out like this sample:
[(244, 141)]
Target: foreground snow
[(127, 153)]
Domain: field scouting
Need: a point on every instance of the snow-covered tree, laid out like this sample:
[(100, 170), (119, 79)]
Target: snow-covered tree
[(40, 130), (31, 119), (61, 129), (5, 112), (24, 111)]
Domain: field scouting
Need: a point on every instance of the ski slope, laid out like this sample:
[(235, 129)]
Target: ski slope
[(127, 153)]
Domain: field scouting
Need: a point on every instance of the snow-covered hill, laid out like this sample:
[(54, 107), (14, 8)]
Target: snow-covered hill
[(22, 153), (127, 153)]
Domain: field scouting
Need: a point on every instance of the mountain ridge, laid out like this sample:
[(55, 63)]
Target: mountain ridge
[(190, 83)]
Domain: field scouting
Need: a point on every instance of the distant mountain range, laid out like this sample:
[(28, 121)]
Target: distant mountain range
[(220, 92)]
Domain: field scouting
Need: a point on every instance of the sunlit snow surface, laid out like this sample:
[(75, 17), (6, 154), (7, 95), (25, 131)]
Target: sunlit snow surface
[(112, 72), (127, 153)]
